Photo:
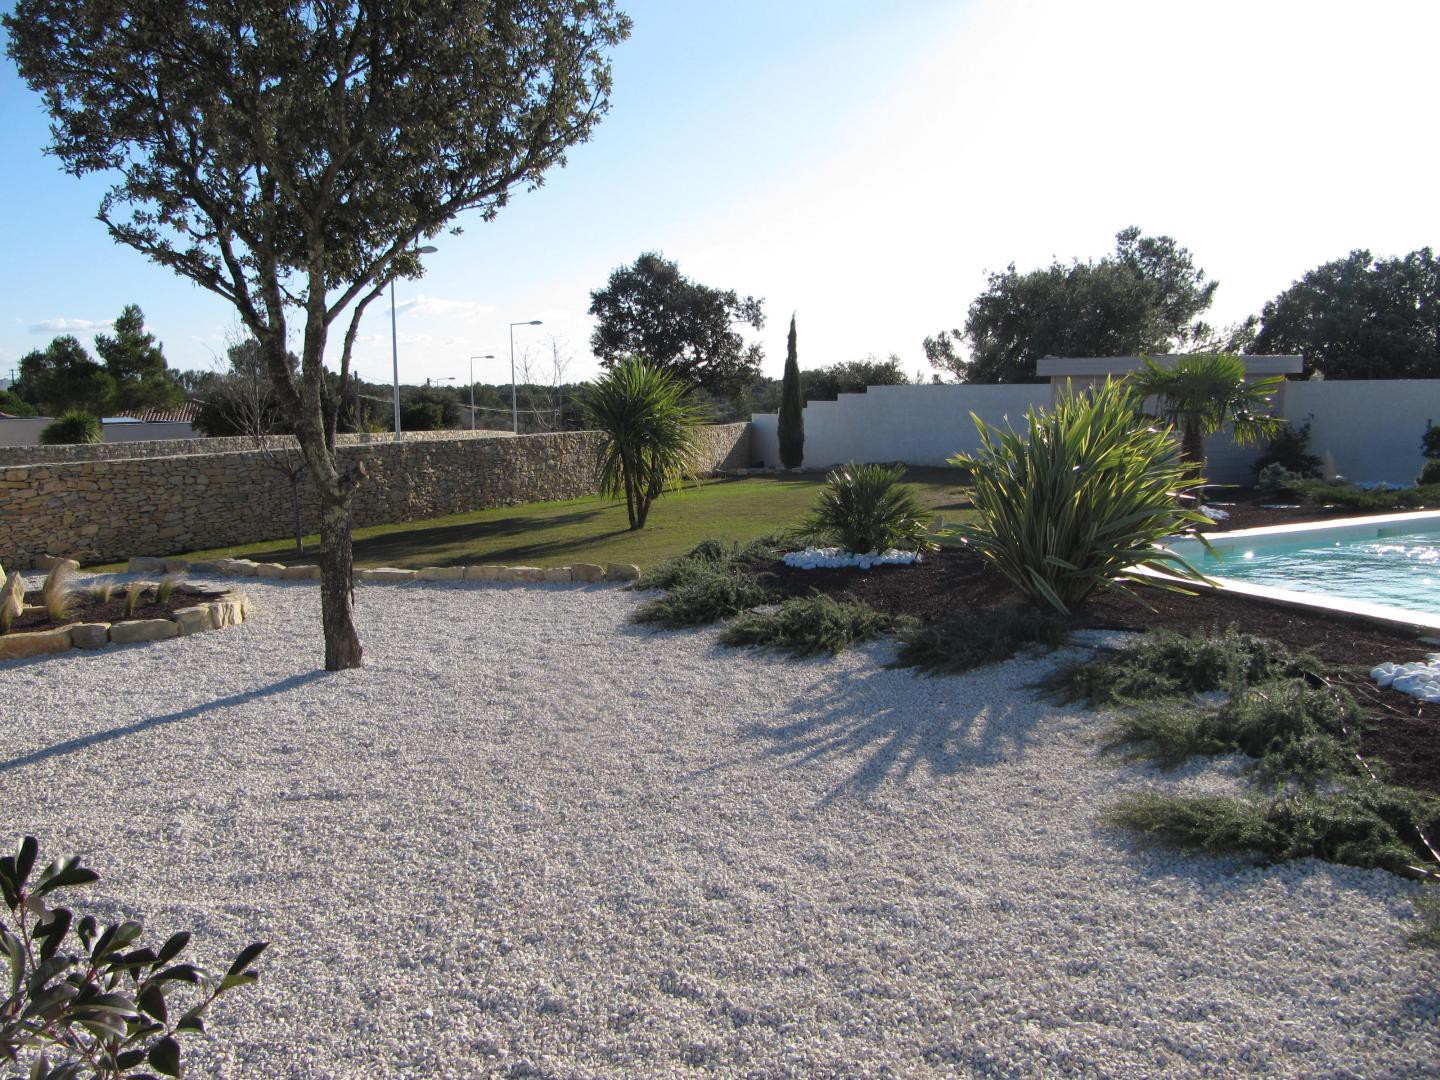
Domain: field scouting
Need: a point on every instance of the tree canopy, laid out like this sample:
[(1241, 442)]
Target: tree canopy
[(1361, 318), (135, 362), (289, 158), (63, 377), (650, 309), (133, 377), (1146, 297), (850, 377)]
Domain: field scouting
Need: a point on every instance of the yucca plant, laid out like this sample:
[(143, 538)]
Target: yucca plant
[(1085, 497), (865, 508), (57, 591), (12, 601), (1204, 393), (648, 423)]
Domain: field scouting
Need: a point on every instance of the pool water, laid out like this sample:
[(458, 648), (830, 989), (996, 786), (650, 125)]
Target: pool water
[(1400, 571)]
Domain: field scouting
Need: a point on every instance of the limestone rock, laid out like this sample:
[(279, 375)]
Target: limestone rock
[(194, 620), (124, 633), (302, 572), (204, 568), (488, 572), (37, 643), (176, 566), (587, 571), (386, 573), (441, 573), (622, 572), (50, 562), (558, 575), (90, 635), (521, 573), (228, 612), (270, 570), (144, 564)]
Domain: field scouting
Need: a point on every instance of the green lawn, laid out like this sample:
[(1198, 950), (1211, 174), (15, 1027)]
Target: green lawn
[(594, 530)]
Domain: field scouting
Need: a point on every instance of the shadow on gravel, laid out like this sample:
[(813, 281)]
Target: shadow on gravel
[(99, 738), (891, 739)]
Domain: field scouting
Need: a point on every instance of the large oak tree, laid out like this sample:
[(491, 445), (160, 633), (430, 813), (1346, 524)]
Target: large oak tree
[(289, 157)]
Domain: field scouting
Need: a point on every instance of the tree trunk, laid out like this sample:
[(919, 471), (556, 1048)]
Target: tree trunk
[(295, 477), (1192, 449), (342, 643)]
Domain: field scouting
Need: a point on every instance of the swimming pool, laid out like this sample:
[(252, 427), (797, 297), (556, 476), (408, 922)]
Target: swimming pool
[(1386, 566)]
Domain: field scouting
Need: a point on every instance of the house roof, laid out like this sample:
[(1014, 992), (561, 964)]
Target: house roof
[(178, 414)]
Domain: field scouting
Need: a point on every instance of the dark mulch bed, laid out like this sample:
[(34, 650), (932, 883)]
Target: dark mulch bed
[(1403, 732), (85, 608)]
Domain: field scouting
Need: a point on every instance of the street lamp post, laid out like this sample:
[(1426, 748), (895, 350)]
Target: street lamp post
[(487, 356), (395, 345), (514, 408)]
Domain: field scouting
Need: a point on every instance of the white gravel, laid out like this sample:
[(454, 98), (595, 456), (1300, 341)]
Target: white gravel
[(530, 839)]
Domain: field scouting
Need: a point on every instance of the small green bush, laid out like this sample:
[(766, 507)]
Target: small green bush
[(1276, 477), (1289, 449), (1081, 499), (74, 428), (807, 626), (1430, 472), (965, 642), (86, 1000), (1372, 826), (865, 508), (1293, 731), (704, 594), (1166, 664), (1349, 497)]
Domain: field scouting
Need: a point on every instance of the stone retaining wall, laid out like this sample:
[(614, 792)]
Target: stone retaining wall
[(107, 510), (147, 448)]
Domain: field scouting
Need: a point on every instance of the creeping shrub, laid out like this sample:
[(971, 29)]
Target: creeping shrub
[(809, 625)]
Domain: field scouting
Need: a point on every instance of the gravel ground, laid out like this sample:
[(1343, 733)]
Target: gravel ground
[(531, 839)]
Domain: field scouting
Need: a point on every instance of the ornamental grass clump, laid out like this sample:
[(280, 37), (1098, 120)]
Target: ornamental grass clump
[(134, 594), (865, 509), (86, 1000), (808, 626), (58, 592), (167, 586), (1084, 498)]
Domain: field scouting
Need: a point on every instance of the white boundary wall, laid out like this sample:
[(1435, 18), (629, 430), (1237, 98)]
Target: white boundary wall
[(1371, 428)]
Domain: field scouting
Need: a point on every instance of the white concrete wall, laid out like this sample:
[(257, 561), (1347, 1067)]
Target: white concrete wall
[(25, 431), (1371, 428)]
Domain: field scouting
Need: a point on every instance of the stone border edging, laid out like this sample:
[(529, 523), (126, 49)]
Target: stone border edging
[(229, 609), (577, 574)]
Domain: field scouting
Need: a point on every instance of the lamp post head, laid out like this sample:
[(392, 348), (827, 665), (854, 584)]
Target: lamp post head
[(426, 250)]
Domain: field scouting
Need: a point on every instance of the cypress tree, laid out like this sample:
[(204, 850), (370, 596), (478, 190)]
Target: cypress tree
[(792, 416)]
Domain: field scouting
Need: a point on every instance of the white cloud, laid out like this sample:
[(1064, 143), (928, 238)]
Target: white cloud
[(445, 308), (70, 326)]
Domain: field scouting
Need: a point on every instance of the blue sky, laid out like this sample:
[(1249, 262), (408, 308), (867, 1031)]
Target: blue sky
[(864, 165)]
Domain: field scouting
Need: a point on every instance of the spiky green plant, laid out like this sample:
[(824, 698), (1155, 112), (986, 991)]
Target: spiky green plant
[(648, 421), (1086, 496), (76, 427), (166, 587), (134, 594), (12, 601), (1206, 392), (58, 591), (808, 626), (865, 508)]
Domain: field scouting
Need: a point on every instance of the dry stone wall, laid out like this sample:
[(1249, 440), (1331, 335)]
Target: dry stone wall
[(107, 510)]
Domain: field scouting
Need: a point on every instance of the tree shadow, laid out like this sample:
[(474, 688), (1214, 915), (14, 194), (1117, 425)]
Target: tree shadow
[(99, 738), (859, 718)]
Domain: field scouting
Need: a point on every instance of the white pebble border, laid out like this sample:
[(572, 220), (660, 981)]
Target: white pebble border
[(1214, 513), (531, 838), (812, 558), (1419, 680)]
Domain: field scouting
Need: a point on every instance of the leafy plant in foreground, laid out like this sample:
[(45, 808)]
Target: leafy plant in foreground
[(865, 508), (86, 1000), (1084, 498), (808, 626), (969, 641)]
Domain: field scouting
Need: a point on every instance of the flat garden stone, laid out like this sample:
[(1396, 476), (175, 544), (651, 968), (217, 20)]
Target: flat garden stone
[(587, 571), (386, 573), (229, 612), (145, 564), (204, 568), (176, 566), (125, 633), (303, 572), (270, 570), (50, 562), (558, 575), (90, 635), (488, 572), (194, 620), (36, 643), (622, 572), (441, 573)]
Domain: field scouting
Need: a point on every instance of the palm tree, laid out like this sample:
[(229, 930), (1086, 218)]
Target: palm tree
[(648, 423), (1205, 392)]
